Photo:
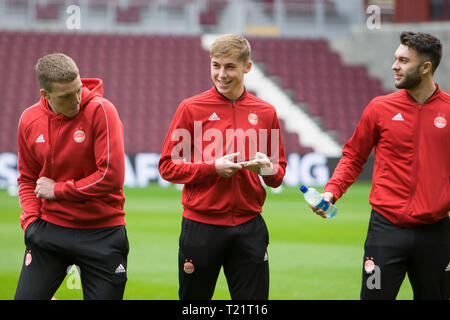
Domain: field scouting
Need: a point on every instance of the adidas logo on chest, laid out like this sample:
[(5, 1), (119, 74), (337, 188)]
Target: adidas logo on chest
[(214, 117), (40, 139), (398, 117)]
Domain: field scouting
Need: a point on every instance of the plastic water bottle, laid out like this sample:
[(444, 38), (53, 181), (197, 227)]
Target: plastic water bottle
[(313, 197)]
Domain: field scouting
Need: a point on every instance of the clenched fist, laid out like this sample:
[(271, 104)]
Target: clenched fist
[(45, 188)]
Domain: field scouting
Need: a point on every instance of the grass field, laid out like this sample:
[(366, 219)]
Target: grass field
[(309, 257)]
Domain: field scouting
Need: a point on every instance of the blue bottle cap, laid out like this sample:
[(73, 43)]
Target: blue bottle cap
[(303, 189)]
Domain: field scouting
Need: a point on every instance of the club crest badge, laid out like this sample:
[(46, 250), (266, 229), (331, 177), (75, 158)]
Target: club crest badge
[(369, 265), (79, 136), (253, 118), (188, 266), (440, 122), (28, 258)]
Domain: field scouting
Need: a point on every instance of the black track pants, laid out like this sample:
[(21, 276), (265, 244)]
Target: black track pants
[(100, 254), (391, 252), (241, 250)]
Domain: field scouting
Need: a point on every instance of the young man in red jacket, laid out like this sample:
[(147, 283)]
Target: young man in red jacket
[(219, 145), (71, 165), (409, 228)]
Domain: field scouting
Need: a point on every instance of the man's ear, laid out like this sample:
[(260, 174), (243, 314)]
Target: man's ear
[(44, 94), (427, 67), (248, 67)]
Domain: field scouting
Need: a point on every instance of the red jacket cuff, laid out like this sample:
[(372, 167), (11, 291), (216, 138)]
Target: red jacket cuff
[(334, 190), (208, 169), (59, 190)]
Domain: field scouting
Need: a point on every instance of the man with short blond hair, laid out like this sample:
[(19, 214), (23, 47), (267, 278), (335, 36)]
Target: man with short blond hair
[(220, 144), (231, 44), (71, 166)]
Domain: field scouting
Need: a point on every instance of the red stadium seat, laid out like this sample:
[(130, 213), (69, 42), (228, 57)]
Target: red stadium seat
[(49, 11)]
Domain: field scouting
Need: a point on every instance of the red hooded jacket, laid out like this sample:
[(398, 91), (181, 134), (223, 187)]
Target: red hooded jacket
[(209, 125), (411, 175), (83, 154)]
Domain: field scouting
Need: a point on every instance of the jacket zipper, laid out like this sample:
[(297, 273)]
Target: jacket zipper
[(233, 178), (233, 182), (416, 159), (56, 140), (49, 159)]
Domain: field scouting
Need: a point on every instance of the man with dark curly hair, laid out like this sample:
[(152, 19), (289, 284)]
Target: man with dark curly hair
[(409, 228)]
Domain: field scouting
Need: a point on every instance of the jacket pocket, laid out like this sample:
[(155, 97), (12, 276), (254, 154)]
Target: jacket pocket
[(378, 182), (191, 193)]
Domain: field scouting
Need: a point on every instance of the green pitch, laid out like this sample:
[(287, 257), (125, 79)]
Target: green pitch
[(309, 257)]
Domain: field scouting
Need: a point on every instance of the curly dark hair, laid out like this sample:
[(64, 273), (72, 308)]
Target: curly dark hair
[(425, 44)]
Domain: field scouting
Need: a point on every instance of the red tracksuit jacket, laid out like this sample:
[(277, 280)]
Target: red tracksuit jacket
[(205, 119), (411, 175), (83, 154)]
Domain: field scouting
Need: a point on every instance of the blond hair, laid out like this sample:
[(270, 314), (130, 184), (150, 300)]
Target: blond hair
[(234, 44), (55, 67)]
